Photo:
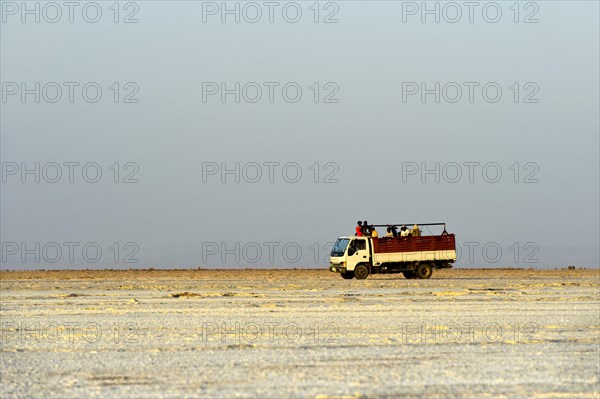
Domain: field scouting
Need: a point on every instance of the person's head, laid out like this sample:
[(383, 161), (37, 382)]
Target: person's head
[(359, 223), (365, 223), (403, 228), (389, 229)]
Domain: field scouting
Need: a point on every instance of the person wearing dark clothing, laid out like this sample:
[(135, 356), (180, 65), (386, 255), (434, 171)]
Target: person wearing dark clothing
[(365, 228)]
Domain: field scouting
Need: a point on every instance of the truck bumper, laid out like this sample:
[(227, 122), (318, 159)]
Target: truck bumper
[(337, 269)]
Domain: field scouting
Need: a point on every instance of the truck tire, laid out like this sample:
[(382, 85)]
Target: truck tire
[(349, 275), (409, 274), (424, 271), (361, 272)]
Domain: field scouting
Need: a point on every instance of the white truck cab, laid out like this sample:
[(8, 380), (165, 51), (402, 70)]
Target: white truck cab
[(349, 252)]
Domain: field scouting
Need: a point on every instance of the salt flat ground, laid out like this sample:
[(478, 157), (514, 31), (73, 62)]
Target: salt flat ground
[(299, 333)]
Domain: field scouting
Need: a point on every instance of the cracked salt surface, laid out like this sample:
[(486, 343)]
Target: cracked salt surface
[(299, 333)]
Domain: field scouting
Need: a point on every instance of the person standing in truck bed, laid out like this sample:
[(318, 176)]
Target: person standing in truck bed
[(415, 231), (404, 231)]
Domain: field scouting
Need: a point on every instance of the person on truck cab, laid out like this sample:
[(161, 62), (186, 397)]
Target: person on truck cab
[(389, 233), (415, 231), (394, 230), (359, 229), (365, 228), (374, 232)]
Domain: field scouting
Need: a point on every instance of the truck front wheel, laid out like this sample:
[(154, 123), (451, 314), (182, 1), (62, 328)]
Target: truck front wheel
[(348, 275), (424, 271), (361, 272)]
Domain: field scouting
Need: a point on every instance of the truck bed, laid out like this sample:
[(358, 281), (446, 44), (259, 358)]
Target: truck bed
[(414, 244), (407, 249)]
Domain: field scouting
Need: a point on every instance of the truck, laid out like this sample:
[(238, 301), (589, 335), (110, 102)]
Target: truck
[(414, 257)]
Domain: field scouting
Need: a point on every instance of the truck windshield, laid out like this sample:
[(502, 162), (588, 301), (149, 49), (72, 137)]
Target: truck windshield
[(340, 247)]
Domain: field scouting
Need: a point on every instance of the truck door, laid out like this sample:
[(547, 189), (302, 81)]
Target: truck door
[(357, 253)]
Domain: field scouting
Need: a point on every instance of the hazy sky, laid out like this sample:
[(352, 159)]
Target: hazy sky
[(517, 92)]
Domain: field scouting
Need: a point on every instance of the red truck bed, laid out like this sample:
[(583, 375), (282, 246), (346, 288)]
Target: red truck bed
[(414, 244)]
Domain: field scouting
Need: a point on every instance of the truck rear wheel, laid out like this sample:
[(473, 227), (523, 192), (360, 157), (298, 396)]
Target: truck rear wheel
[(424, 271), (409, 274), (361, 272), (348, 275)]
